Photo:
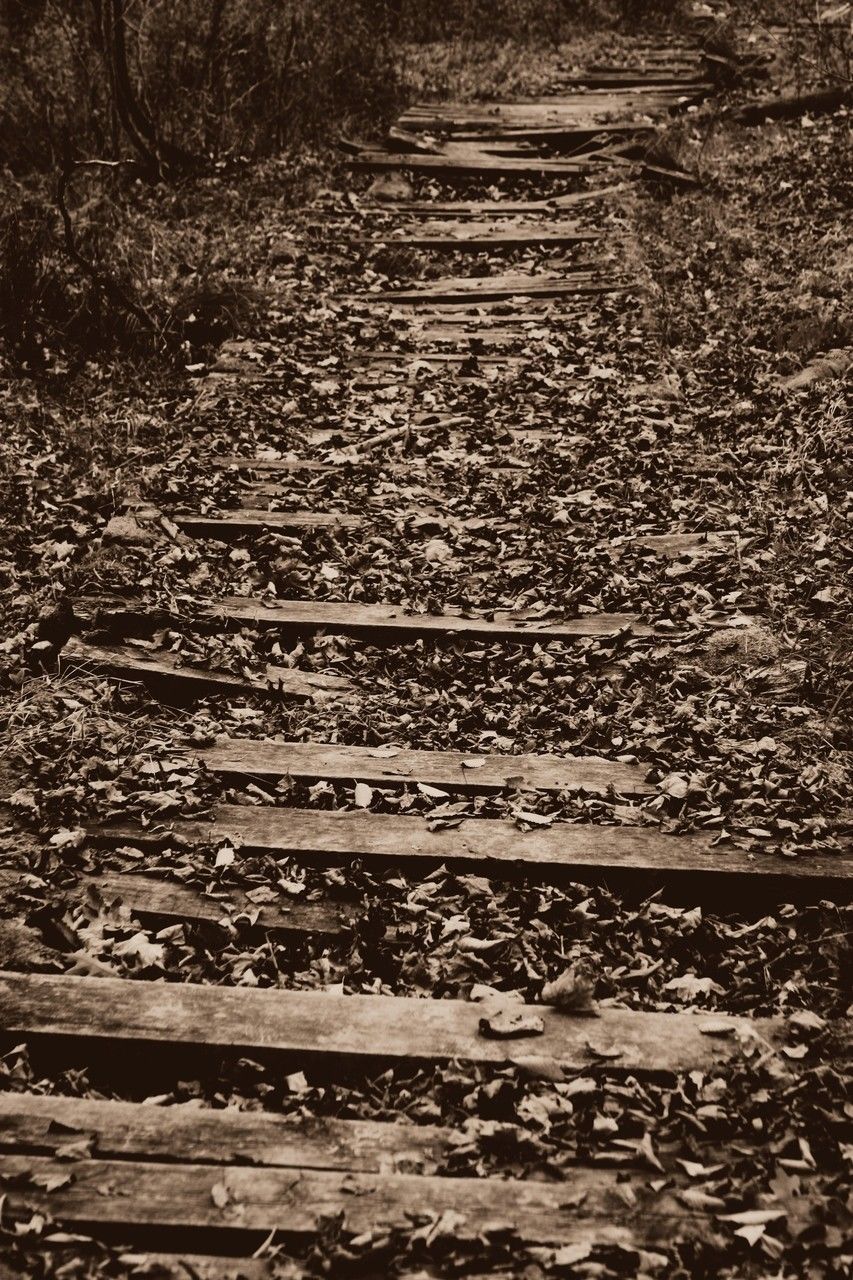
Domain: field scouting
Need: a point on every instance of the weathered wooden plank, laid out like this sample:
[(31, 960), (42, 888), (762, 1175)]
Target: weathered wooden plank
[(557, 135), (466, 771), (586, 1205), (151, 897), (686, 85), (191, 1266), (492, 242), (478, 289), (332, 1031), (402, 359), (405, 467), (44, 1125), (381, 621), (486, 166), (163, 675), (228, 524), (488, 208), (565, 849)]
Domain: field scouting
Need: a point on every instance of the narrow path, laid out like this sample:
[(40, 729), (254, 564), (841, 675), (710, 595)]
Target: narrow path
[(165, 1178)]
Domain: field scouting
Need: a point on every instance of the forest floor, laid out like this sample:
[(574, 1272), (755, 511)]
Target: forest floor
[(744, 733)]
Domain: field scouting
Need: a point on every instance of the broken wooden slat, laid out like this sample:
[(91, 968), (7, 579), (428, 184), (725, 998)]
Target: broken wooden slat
[(121, 1130), (163, 675), (330, 1030), (580, 851), (239, 1201), (381, 621), (457, 769)]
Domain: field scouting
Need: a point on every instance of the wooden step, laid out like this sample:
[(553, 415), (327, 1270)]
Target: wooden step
[(193, 1134), (562, 851), (459, 770), (237, 1202), (148, 897), (167, 679), (477, 289), (493, 242), (414, 465), (483, 165), (332, 1032), (487, 208), (376, 622), (229, 524)]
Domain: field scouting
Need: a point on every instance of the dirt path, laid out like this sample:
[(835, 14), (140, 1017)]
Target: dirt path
[(576, 1029)]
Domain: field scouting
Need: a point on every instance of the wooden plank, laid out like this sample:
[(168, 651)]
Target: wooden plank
[(478, 289), (466, 771), (491, 243), (402, 359), (686, 85), (151, 897), (332, 1031), (557, 135), (122, 1130), (344, 468), (228, 524), (379, 621), (191, 1266), (563, 850), (485, 166), (491, 208), (163, 675), (585, 1205)]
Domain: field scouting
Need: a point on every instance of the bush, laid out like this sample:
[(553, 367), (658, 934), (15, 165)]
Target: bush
[(217, 77)]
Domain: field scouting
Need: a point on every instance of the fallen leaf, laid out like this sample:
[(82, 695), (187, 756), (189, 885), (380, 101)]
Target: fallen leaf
[(510, 1024), (571, 993)]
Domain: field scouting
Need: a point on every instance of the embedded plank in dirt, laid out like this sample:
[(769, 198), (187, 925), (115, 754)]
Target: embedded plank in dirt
[(163, 674), (586, 1205), (384, 622), (459, 770), (332, 1032), (562, 850)]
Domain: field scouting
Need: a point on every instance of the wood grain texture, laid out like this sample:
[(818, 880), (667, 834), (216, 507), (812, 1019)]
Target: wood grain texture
[(382, 621), (465, 241), (478, 289), (474, 165), (229, 524), (582, 850), (587, 1205), (468, 771), (44, 1125), (331, 1030), (488, 208), (163, 674)]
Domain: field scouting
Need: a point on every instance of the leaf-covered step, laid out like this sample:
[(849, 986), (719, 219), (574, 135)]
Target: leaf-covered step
[(559, 850), (384, 766)]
